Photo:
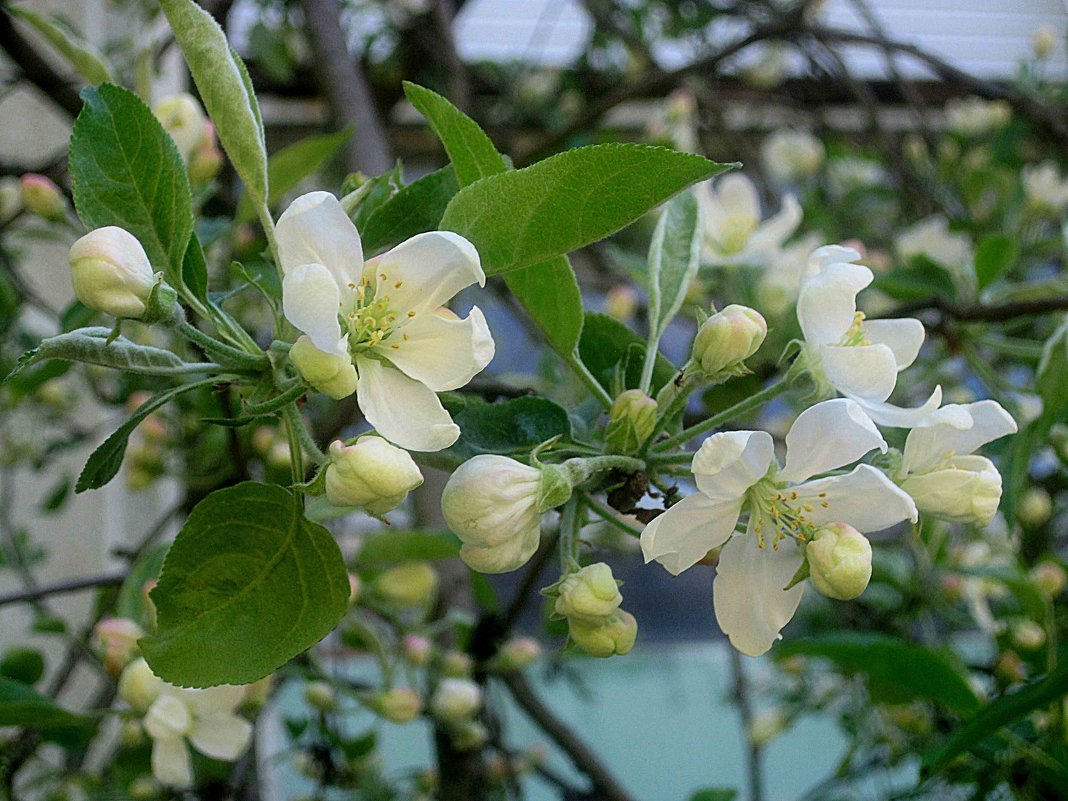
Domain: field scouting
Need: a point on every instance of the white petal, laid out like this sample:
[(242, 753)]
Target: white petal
[(316, 230), (955, 429), (170, 762), (865, 499), (904, 337), (730, 462), (822, 257), (751, 604), (214, 700), (768, 238), (441, 350), (682, 536), (167, 717), (401, 409), (310, 301), (864, 371), (221, 736), (886, 414), (424, 272), (827, 302), (827, 436), (734, 195)]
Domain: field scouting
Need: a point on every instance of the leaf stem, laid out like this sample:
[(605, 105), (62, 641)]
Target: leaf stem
[(750, 403), (220, 350), (570, 525), (287, 397), (652, 350), (298, 433), (574, 361)]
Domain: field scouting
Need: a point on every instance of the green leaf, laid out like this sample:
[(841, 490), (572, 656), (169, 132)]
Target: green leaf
[(471, 152), (998, 713), (523, 217), (1051, 380), (512, 427), (925, 279), (384, 548), (224, 85), (86, 59), (21, 705), (414, 209), (994, 257), (126, 171), (674, 256), (292, 164), (26, 665), (614, 354), (248, 584), (896, 670), (90, 345), (195, 269), (104, 463)]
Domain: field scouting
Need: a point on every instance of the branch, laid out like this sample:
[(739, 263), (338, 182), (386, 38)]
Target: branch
[(63, 587), (981, 313), (754, 752), (35, 69), (604, 783)]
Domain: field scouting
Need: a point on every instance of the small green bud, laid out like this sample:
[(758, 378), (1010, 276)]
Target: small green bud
[(612, 636), (839, 561), (631, 421), (727, 339), (589, 595)]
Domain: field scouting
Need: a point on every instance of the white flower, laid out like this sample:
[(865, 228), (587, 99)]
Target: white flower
[(734, 233), (791, 155), (779, 284), (932, 238), (939, 469), (491, 503), (371, 474), (850, 172), (203, 717), (182, 118), (111, 272), (974, 116), (736, 473), (859, 358), (1044, 186), (386, 316)]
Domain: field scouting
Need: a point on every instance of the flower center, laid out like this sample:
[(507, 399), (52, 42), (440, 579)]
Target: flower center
[(855, 335), (372, 319), (777, 511)]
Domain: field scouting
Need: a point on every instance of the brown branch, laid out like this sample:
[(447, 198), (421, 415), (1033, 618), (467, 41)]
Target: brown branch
[(62, 587), (35, 69), (981, 313), (605, 784), (754, 751)]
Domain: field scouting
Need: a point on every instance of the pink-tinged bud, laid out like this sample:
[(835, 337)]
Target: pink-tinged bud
[(355, 586), (728, 338), (518, 654), (839, 561), (416, 650), (117, 638), (111, 272), (42, 197), (182, 118), (205, 164)]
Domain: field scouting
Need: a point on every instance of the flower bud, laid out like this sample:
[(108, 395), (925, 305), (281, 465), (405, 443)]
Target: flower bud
[(728, 338), (1043, 41), (631, 421), (407, 586), (320, 695), (1028, 635), (613, 635), (518, 654), (329, 373), (182, 118), (10, 197), (588, 595), (355, 587), (398, 705), (416, 650), (621, 302), (839, 561), (42, 197), (967, 492), (132, 733), (457, 665), (492, 504), (1035, 507), (1050, 578), (765, 727), (111, 272), (117, 638), (139, 686), (206, 159), (371, 474), (456, 700), (469, 735)]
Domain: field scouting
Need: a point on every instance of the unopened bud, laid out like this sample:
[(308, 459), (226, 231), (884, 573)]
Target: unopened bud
[(456, 664), (398, 705), (372, 474), (1050, 578), (456, 700), (139, 686), (117, 638), (1035, 507), (469, 735), (518, 654), (182, 118), (621, 302), (42, 197), (631, 421), (206, 159), (613, 636), (132, 733), (1010, 668), (589, 595), (111, 272), (329, 373), (256, 694), (416, 650), (967, 492), (1028, 635), (10, 197), (728, 338), (320, 695), (407, 586), (144, 788), (839, 561), (1042, 42), (765, 727)]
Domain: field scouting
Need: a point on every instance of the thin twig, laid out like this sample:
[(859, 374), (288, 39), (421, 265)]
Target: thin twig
[(63, 587), (980, 312)]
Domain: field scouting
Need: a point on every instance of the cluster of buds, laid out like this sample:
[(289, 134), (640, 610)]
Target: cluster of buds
[(455, 704), (589, 600), (839, 561), (371, 474), (193, 134), (517, 654)]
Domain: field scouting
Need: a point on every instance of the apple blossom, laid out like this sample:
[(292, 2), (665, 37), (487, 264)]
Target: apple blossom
[(779, 284), (939, 469), (843, 351), (728, 338), (932, 238), (611, 636), (1050, 578), (790, 155), (631, 421), (42, 197), (839, 561), (734, 233), (974, 116), (416, 649), (111, 272), (407, 586), (455, 700), (736, 473), (386, 316), (588, 595), (182, 117), (371, 474), (1045, 188)]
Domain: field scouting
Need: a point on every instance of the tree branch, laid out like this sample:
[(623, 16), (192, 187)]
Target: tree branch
[(35, 69), (980, 312), (63, 587)]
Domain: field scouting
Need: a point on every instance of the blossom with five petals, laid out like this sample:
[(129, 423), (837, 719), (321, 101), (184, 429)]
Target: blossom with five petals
[(736, 474), (845, 352), (734, 233), (385, 319)]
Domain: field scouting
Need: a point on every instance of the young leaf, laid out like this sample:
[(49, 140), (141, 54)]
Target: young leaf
[(195, 269), (126, 171), (104, 463), (248, 584), (570, 200), (994, 257), (471, 152), (223, 83), (513, 426), (21, 705), (414, 209), (89, 63)]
